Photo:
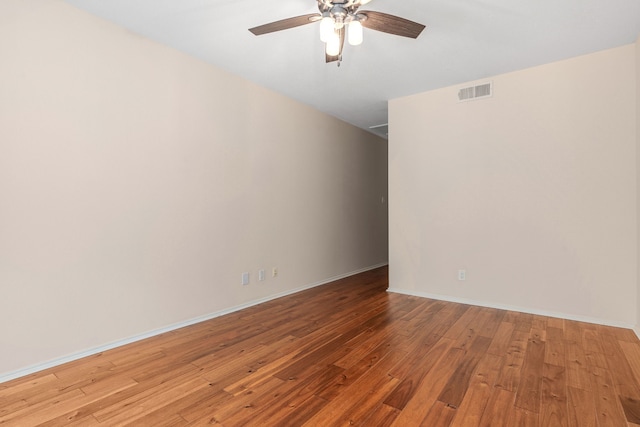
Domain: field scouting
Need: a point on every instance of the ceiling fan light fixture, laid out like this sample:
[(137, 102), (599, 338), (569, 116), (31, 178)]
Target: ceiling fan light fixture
[(355, 33), (335, 15), (326, 27), (333, 45)]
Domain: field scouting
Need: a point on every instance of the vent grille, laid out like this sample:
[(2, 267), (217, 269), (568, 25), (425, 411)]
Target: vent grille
[(484, 90)]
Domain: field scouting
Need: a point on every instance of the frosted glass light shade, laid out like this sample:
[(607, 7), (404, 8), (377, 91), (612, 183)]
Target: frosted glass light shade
[(326, 28), (333, 45), (355, 33)]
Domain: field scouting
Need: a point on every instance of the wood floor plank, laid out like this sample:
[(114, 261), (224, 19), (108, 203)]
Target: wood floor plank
[(158, 419), (458, 384), (88, 421), (440, 415), (572, 332), (251, 403), (490, 327), (554, 353), (528, 394), (447, 317), (480, 389), (469, 334), (47, 410), (608, 408), (358, 414), (113, 396), (461, 324), (624, 379), (355, 350), (581, 410), (595, 359), (30, 393), (577, 367), (500, 343), (136, 407), (553, 402), (294, 399), (524, 322), (348, 353), (338, 385), (226, 409), (299, 417), (202, 406), (555, 322), (257, 376), (509, 377), (618, 333), (33, 385), (382, 416), (511, 316), (109, 385), (631, 408), (523, 418), (498, 408), (428, 390), (632, 354), (365, 392), (410, 380), (619, 360), (330, 349)]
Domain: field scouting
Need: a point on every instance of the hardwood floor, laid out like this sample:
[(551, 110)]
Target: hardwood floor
[(348, 353)]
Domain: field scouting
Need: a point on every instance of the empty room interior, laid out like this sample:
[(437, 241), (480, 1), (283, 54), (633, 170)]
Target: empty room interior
[(205, 225)]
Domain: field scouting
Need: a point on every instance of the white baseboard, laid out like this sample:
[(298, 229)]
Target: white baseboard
[(75, 356), (529, 310)]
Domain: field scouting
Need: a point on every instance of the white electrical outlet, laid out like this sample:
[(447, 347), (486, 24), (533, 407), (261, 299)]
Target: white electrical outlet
[(462, 274), (261, 275), (245, 279), (274, 272)]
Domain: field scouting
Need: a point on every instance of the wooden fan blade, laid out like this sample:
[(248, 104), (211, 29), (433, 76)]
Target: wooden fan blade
[(285, 24), (329, 58), (391, 24)]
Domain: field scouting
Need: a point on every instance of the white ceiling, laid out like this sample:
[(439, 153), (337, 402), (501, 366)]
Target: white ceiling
[(464, 40)]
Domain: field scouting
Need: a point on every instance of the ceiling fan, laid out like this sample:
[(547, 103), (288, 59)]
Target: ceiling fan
[(335, 16)]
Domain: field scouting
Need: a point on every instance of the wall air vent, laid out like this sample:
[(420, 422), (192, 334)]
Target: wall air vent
[(380, 130), (484, 90)]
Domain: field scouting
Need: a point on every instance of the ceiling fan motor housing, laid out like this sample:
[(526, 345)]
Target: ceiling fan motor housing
[(342, 11)]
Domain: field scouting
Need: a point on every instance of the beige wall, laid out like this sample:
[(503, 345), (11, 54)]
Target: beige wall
[(137, 184), (532, 191)]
